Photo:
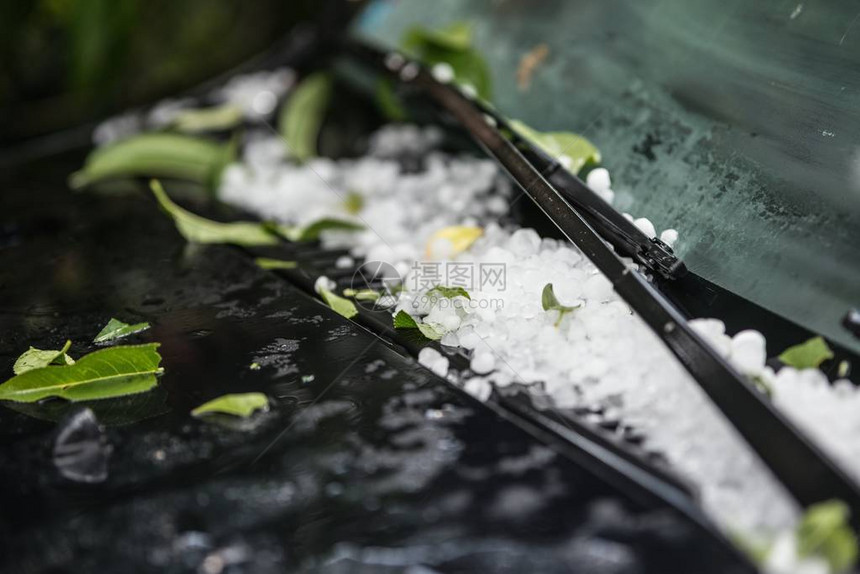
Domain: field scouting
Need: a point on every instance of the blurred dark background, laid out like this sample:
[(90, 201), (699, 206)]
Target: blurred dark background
[(66, 62)]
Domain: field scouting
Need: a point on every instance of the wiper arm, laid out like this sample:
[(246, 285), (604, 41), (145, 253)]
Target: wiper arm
[(650, 252)]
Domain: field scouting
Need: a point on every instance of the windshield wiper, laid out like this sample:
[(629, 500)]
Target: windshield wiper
[(650, 252), (805, 470)]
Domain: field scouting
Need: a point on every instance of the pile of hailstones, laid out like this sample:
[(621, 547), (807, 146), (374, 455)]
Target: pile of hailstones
[(599, 353)]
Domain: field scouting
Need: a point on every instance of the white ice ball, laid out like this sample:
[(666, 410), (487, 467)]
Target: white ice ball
[(524, 242), (598, 179), (478, 388), (669, 237), (469, 339), (324, 283), (748, 352), (483, 362), (607, 195), (428, 355), (645, 226), (443, 72), (714, 332), (440, 366)]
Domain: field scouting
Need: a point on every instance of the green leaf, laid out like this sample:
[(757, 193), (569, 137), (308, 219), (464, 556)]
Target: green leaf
[(156, 155), (198, 229), (808, 355), (217, 118), (449, 292), (389, 102), (824, 531), (403, 320), (114, 412), (457, 36), (362, 294), (551, 303), (36, 359), (457, 238), (312, 231), (116, 329), (429, 332), (302, 116), (756, 550), (111, 372), (267, 263), (469, 67), (240, 405), (353, 203), (561, 144), (340, 305), (453, 46)]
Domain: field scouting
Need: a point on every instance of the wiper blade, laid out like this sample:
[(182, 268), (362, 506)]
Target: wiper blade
[(805, 470), (650, 252)]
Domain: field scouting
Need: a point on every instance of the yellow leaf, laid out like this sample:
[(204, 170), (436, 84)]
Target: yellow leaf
[(451, 241)]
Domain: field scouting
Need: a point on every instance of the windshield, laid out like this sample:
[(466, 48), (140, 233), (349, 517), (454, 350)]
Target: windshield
[(736, 123)]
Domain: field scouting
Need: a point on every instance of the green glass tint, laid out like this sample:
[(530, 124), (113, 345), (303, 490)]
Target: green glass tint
[(734, 122)]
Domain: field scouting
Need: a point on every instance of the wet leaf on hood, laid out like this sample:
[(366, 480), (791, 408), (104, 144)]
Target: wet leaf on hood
[(111, 372), (198, 229), (362, 294), (216, 118), (449, 292), (807, 355), (268, 263), (35, 358), (312, 231), (340, 305), (302, 116), (240, 405), (116, 329), (166, 155), (403, 320)]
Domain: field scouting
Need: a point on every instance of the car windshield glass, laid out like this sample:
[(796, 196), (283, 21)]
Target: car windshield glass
[(736, 123)]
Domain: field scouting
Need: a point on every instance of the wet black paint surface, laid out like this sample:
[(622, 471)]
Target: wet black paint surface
[(373, 465)]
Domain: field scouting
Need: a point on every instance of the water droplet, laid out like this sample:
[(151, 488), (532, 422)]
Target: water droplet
[(433, 414), (394, 61), (199, 333), (409, 72)]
